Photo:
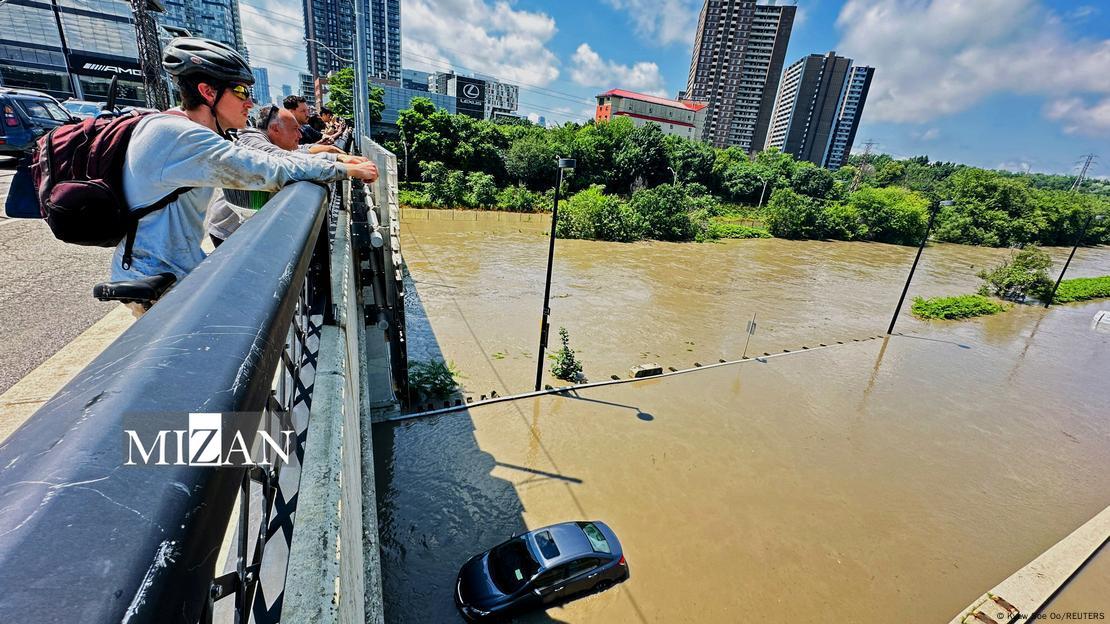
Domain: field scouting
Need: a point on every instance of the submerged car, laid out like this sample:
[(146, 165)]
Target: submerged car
[(539, 569)]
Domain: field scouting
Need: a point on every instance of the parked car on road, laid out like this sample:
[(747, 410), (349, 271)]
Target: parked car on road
[(539, 569), (83, 108), (24, 117)]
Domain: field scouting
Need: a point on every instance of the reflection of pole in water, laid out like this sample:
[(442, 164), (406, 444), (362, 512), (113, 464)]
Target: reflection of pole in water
[(1028, 342), (874, 374), (751, 330)]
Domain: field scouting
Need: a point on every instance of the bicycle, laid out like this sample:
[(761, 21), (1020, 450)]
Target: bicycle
[(144, 291)]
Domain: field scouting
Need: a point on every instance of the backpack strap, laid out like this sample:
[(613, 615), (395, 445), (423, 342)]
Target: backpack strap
[(139, 213)]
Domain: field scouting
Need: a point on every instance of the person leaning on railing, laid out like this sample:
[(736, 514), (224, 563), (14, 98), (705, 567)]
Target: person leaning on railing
[(278, 133), (188, 149)]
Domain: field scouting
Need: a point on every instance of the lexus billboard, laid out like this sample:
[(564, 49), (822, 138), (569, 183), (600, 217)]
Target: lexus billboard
[(470, 97)]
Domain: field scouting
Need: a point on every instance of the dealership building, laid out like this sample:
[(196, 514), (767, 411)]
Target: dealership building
[(480, 97), (99, 43)]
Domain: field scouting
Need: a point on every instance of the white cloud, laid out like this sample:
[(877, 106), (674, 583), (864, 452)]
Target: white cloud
[(590, 70), (489, 37), (1081, 13), (276, 44), (939, 57), (1080, 118), (664, 21), (1020, 166), (930, 134)]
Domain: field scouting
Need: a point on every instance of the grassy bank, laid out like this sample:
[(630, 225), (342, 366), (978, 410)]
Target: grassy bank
[(960, 307), (1082, 289)]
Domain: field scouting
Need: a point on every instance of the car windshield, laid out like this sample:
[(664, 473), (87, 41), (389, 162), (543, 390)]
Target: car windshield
[(597, 539), (43, 109), (511, 565), (81, 109)]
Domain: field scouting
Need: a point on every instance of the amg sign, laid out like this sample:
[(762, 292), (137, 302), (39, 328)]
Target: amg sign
[(107, 67)]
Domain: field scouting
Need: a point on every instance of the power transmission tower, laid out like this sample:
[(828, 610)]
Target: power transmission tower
[(150, 56), (1083, 171), (864, 159)]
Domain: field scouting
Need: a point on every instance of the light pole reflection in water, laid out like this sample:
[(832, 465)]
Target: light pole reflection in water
[(564, 164), (909, 278)]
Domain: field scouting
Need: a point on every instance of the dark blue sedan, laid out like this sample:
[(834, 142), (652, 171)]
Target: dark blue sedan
[(539, 569)]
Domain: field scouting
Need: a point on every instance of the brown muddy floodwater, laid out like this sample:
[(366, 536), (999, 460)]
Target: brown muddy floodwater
[(875, 481)]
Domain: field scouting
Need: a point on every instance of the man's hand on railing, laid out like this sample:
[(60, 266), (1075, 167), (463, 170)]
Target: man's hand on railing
[(316, 148), (365, 171), (350, 159)]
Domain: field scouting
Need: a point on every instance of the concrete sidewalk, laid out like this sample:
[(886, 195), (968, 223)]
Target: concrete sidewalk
[(20, 401)]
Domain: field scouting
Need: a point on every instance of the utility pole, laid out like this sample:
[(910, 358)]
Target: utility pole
[(865, 158), (150, 56), (1083, 172), (74, 81)]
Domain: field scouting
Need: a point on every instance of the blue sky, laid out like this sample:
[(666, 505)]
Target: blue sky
[(1016, 84)]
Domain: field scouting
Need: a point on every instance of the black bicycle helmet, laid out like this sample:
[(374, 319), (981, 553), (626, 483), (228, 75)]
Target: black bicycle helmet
[(195, 57)]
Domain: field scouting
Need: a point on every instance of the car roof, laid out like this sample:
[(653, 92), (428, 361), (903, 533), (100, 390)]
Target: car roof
[(25, 92), (569, 538)]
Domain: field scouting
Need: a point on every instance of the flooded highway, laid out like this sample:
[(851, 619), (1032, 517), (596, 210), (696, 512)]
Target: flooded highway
[(876, 481)]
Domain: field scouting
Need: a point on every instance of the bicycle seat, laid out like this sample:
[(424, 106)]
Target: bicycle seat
[(141, 290)]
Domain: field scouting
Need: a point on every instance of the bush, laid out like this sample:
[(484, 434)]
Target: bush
[(891, 215), (483, 191), (1082, 289), (1024, 274), (790, 215), (841, 221), (963, 306), (414, 199), (566, 366), (434, 379), (665, 212), (734, 230), (591, 214), (518, 199)]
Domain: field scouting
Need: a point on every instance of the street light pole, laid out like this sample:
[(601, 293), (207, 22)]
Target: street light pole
[(763, 192), (565, 164), (909, 278), (1078, 239)]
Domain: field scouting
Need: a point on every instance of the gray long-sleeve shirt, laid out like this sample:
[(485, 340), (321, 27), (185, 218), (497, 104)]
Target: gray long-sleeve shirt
[(169, 152), (231, 208)]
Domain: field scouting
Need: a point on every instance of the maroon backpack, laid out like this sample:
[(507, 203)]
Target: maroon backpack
[(77, 171)]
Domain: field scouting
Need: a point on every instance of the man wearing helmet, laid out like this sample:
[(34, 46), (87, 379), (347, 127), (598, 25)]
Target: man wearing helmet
[(186, 151)]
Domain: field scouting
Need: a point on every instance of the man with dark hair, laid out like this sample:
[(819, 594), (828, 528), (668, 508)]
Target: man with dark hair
[(185, 153), (299, 107)]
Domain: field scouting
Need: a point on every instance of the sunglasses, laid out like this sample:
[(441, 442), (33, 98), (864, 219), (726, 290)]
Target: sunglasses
[(243, 92)]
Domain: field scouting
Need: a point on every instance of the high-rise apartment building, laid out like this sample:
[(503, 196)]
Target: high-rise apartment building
[(308, 89), (818, 108), (330, 28), (286, 91), (261, 85), (212, 19), (848, 116), (738, 56)]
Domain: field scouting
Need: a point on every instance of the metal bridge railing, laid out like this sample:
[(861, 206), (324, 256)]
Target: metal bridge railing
[(86, 538)]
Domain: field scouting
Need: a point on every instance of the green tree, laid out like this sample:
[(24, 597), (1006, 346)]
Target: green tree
[(643, 157), (692, 161), (483, 190), (531, 161), (1024, 274), (809, 179), (891, 215), (792, 215), (591, 214), (341, 90), (990, 209), (665, 211)]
